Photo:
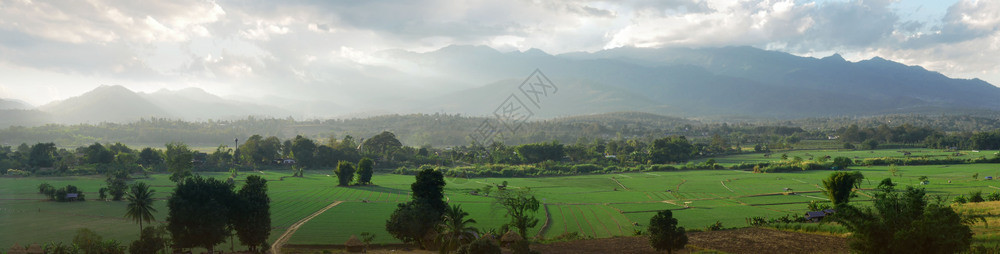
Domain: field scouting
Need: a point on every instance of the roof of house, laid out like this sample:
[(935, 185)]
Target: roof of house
[(815, 214), (72, 195), (829, 211)]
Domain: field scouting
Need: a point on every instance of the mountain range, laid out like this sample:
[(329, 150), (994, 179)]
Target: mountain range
[(728, 82)]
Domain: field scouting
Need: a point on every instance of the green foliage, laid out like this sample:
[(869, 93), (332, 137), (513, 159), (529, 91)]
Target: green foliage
[(366, 168), (140, 203), (252, 215), (150, 157), (870, 144), (671, 150), (42, 155), (151, 240), (976, 197), (345, 173), (664, 234), (817, 205), (411, 221), (383, 145), (303, 150), (539, 152), (842, 162), (116, 183), (200, 212), (715, 226), (455, 229), (839, 186), (520, 205), (896, 222), (179, 161)]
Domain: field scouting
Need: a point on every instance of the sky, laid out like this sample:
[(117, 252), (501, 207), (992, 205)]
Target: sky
[(249, 49)]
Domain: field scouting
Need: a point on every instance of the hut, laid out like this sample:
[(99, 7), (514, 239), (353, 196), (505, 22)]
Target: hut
[(815, 216), (35, 249), (509, 238), (354, 245)]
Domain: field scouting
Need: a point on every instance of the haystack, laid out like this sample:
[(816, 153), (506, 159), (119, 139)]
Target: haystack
[(354, 245), (16, 249), (35, 249), (510, 237)]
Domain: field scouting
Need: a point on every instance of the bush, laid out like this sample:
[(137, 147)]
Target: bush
[(976, 197), (960, 199)]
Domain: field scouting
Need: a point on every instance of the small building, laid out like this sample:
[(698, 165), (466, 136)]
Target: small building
[(72, 196), (989, 178), (815, 216)]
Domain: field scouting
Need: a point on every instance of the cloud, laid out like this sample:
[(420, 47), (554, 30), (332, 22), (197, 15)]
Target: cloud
[(258, 46)]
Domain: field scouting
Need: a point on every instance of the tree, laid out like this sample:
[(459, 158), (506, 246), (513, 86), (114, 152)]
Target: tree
[(429, 188), (200, 212), (520, 206), (671, 149), (98, 154), (149, 157), (88, 241), (151, 240), (345, 173), (904, 223), (456, 229), (253, 217), (365, 170), (411, 221), (117, 186), (382, 144), (42, 155), (842, 162), (840, 185), (303, 150), (664, 234), (179, 161), (140, 204), (893, 169), (870, 144)]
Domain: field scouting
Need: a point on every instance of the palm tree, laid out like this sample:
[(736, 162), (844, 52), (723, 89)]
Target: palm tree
[(140, 203), (456, 230)]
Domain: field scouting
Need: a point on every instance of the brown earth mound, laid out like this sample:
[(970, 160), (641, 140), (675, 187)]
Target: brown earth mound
[(745, 240)]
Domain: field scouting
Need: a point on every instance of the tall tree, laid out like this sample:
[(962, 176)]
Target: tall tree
[(839, 187), (366, 167), (149, 157), (303, 150), (456, 230), (42, 155), (200, 212), (664, 234), (345, 173), (413, 220), (383, 144), (253, 217), (140, 204), (521, 206), (179, 161)]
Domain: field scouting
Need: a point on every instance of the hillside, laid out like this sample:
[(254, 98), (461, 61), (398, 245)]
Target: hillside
[(710, 82), (118, 104)]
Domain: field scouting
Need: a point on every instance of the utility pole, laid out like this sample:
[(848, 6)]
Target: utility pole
[(236, 151)]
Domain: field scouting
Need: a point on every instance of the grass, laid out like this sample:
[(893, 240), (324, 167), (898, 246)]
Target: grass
[(589, 205)]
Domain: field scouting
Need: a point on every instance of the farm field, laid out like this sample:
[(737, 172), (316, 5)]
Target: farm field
[(594, 206), (853, 154)]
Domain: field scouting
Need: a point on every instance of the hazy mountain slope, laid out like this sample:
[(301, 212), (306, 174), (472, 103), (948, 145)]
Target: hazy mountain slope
[(104, 104), (21, 117), (732, 81), (196, 104), (14, 104)]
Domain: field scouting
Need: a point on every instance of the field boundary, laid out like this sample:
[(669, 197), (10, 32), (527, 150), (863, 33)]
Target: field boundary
[(545, 226), (276, 246)]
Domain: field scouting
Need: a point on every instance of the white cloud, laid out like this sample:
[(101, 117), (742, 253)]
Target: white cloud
[(328, 45)]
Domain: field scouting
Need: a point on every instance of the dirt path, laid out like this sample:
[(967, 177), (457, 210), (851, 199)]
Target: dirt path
[(276, 246), (619, 183)]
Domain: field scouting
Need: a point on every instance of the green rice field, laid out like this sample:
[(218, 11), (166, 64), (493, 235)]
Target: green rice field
[(590, 205)]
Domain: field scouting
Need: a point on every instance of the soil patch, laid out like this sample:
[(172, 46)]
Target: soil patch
[(745, 240)]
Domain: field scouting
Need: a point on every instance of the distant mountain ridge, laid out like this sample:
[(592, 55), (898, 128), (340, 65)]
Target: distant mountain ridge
[(713, 82), (119, 104)]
